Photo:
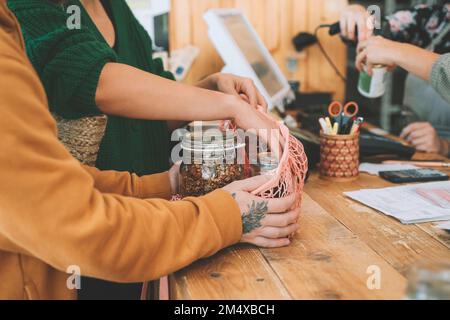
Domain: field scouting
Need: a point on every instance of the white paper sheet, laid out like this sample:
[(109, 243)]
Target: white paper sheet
[(409, 204), (375, 169)]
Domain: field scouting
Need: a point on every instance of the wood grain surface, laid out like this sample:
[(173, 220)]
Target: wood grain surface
[(330, 257)]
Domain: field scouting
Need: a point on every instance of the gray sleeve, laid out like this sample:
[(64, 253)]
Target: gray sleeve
[(440, 76)]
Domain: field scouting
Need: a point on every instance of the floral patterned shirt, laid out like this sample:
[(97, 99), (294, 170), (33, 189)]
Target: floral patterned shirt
[(421, 25)]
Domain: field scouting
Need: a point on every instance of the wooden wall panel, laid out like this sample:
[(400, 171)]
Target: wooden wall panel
[(321, 76), (272, 25), (277, 22), (263, 14), (180, 24), (296, 20)]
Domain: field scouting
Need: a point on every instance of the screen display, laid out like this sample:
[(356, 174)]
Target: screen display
[(249, 46)]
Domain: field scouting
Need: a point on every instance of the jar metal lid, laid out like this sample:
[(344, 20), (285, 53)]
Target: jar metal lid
[(211, 140)]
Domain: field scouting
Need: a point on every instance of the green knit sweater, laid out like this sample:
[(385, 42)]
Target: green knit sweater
[(69, 63)]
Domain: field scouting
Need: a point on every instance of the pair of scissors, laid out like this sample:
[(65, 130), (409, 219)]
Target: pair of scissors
[(350, 110), (343, 114)]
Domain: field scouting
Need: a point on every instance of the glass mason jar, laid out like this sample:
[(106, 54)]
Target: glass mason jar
[(268, 163), (212, 159)]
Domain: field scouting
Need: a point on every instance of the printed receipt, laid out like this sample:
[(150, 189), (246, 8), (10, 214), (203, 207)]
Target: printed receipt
[(415, 203)]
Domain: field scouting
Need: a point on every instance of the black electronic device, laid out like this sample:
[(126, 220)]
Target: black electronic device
[(304, 40), (414, 175), (311, 143), (375, 145), (335, 29)]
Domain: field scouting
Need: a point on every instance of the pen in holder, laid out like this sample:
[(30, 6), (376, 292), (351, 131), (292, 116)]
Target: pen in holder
[(339, 157)]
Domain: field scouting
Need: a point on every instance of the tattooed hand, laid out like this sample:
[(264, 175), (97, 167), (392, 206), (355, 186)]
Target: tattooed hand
[(265, 222)]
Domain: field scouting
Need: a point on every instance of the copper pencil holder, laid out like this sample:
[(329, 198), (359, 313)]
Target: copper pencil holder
[(339, 157)]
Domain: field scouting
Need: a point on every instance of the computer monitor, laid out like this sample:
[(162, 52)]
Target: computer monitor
[(154, 17), (245, 54)]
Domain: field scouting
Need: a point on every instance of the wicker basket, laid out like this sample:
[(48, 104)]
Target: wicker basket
[(339, 157), (82, 137)]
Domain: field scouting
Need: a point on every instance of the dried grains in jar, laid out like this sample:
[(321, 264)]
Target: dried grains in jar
[(212, 159)]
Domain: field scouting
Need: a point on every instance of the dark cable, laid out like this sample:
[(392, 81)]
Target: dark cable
[(322, 49)]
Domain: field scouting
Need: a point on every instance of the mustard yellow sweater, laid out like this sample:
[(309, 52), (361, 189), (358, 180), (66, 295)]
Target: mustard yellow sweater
[(54, 213)]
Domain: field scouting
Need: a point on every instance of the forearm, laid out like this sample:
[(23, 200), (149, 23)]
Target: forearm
[(128, 92), (150, 238), (130, 185), (415, 60), (110, 237)]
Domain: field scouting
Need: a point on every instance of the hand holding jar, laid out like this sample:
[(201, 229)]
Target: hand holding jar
[(267, 223)]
